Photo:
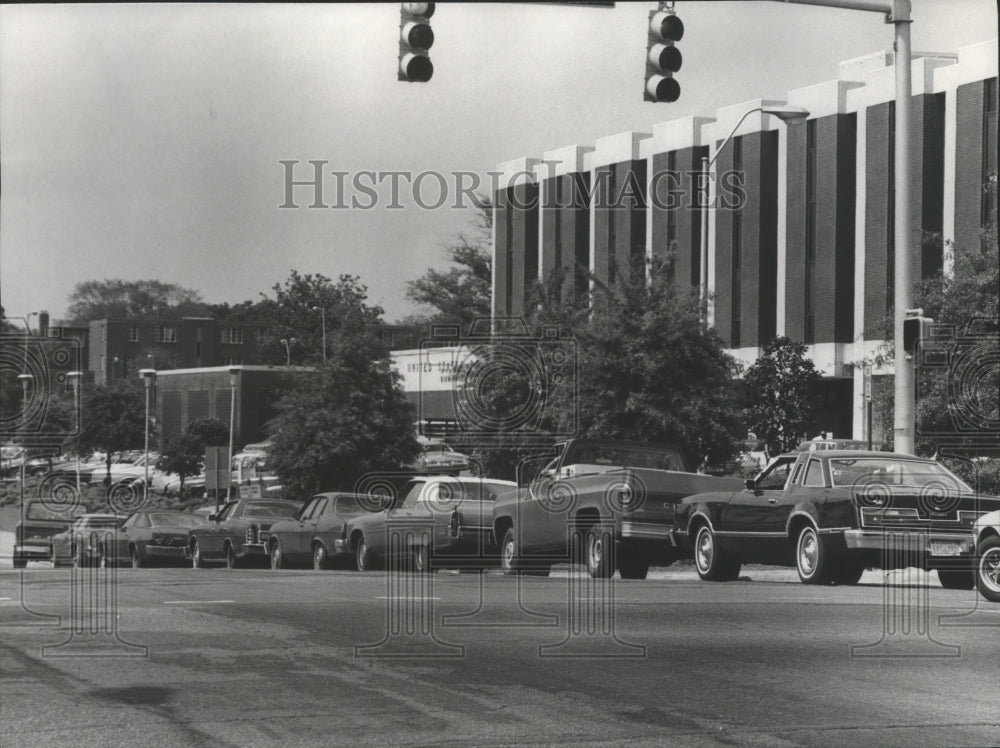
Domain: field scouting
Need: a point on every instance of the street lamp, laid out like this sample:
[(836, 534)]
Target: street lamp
[(149, 379), (25, 385), (75, 379), (322, 312), (288, 351), (791, 115), (234, 378)]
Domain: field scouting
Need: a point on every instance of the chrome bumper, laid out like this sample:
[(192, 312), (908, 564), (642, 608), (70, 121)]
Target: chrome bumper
[(878, 540)]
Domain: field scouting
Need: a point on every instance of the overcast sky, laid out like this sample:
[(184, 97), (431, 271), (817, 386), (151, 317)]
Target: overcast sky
[(145, 141)]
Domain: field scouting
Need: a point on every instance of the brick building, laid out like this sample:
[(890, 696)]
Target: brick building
[(801, 235), (119, 348)]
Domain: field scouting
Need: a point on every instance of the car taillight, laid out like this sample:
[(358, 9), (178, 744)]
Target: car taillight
[(18, 535)]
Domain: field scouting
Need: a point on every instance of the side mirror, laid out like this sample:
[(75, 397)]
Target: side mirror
[(213, 517), (750, 483)]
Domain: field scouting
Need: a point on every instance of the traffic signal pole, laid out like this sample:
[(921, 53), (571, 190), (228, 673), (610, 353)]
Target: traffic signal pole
[(897, 12)]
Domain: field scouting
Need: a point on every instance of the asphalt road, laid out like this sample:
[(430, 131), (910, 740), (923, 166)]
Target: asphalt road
[(255, 657)]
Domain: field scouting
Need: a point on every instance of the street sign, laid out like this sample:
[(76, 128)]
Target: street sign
[(868, 384), (217, 470)]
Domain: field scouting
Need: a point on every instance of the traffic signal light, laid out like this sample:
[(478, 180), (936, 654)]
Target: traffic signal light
[(415, 37), (663, 59), (914, 329)]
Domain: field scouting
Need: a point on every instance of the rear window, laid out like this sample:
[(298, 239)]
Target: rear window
[(183, 521), (272, 509), (46, 512)]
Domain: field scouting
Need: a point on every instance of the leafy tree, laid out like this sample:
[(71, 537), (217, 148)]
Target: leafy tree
[(343, 421), (185, 454), (296, 314), (780, 387), (645, 370), (970, 291), (462, 293), (113, 419), (114, 297)]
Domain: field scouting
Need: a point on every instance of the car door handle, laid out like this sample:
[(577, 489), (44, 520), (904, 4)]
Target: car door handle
[(772, 500)]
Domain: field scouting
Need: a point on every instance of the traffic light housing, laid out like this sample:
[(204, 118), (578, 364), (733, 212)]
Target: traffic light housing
[(663, 59), (415, 38), (915, 329)]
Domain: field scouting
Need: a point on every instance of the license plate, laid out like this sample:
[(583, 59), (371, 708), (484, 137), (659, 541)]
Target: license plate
[(945, 549)]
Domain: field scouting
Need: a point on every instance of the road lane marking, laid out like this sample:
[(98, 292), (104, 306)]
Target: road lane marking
[(196, 602)]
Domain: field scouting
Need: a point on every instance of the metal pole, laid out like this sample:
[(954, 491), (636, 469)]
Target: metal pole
[(25, 384), (145, 484), (903, 405), (703, 268)]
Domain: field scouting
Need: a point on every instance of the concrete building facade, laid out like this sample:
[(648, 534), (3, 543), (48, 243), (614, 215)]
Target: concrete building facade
[(801, 231)]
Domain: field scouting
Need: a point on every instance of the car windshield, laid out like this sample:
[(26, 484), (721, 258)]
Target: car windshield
[(43, 512), (849, 471), (183, 521), (623, 456), (272, 509)]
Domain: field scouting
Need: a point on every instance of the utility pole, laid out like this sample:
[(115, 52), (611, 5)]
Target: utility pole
[(896, 12)]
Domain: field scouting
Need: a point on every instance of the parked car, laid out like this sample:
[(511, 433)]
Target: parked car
[(80, 544), (319, 534), (238, 534), (426, 523), (151, 536), (986, 532), (834, 513), (608, 504), (129, 472), (40, 520)]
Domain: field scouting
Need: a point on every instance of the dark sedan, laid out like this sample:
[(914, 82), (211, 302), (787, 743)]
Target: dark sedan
[(151, 536), (238, 534), (435, 516), (318, 535), (834, 513)]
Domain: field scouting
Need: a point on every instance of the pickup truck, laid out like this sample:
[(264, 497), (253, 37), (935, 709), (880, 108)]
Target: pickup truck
[(40, 520), (607, 504)]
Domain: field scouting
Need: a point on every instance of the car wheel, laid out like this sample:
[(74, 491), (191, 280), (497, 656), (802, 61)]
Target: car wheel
[(988, 569), (848, 572), (138, 562), (600, 553), (712, 564), (957, 579), (197, 561), (812, 559), (232, 561), (509, 552), (321, 561), (277, 560), (633, 566), (422, 559), (20, 563), (365, 559)]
